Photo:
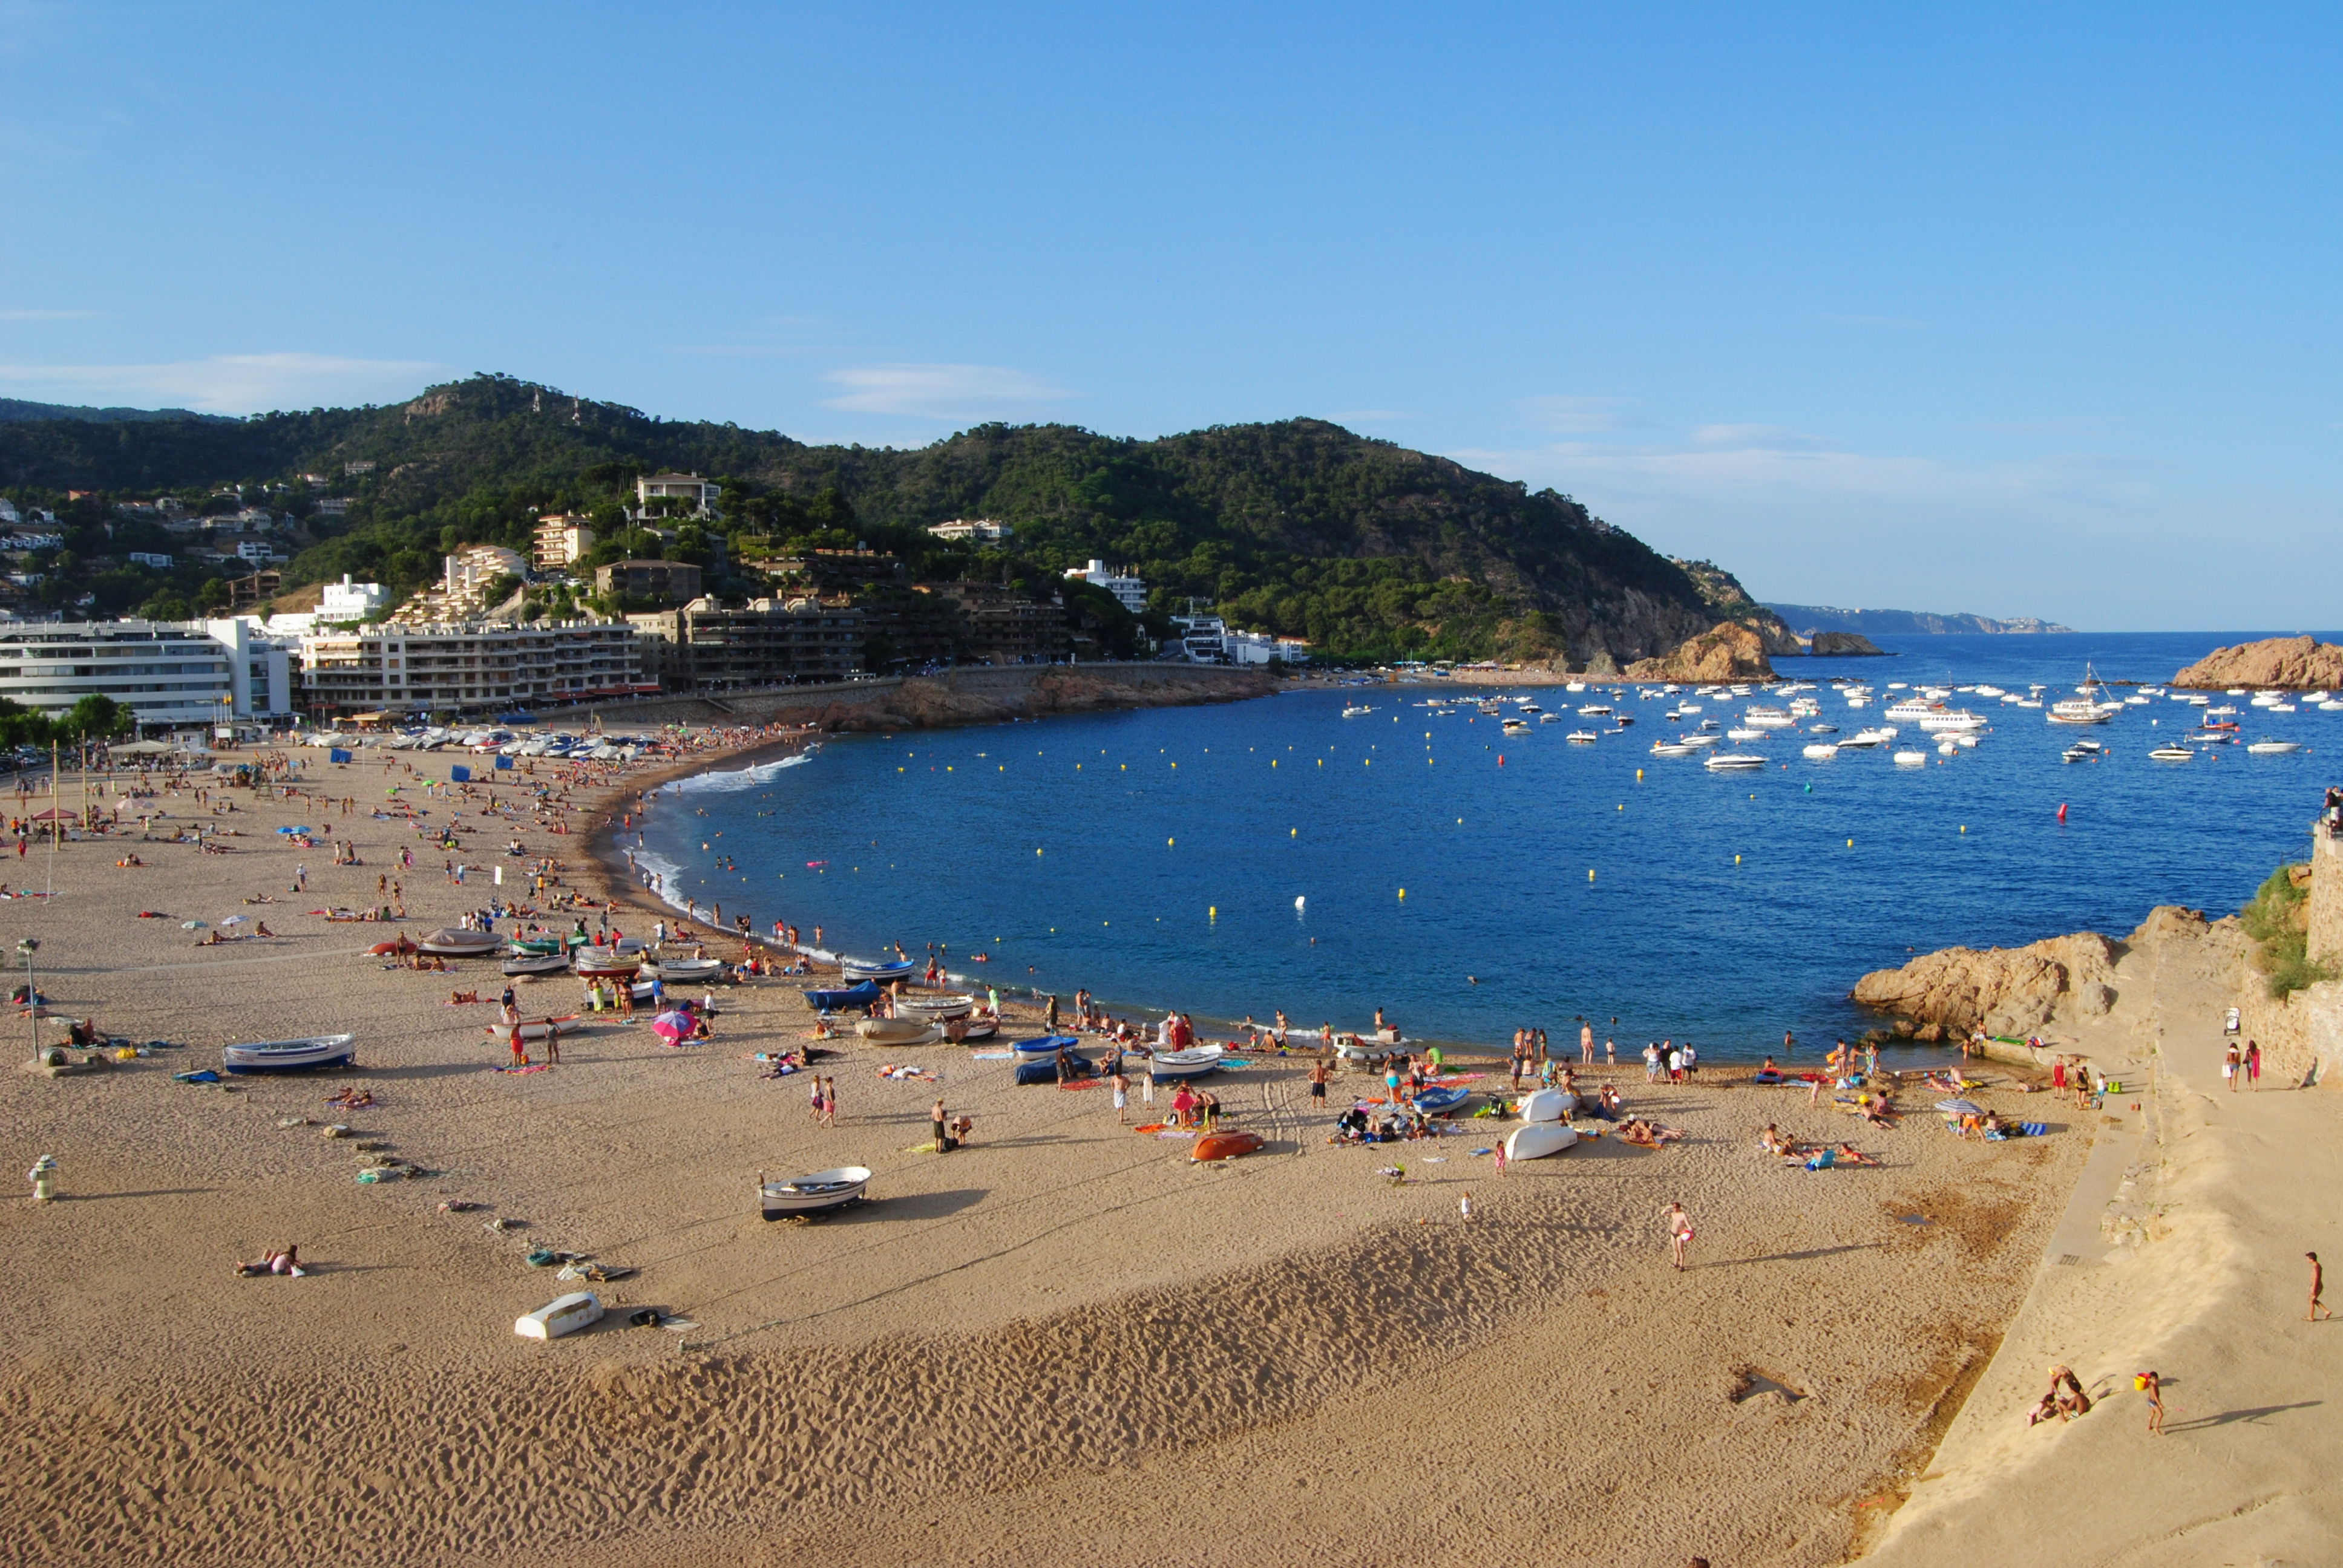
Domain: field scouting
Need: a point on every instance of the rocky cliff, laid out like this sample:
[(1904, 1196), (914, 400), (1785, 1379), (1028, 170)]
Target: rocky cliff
[(2278, 663), (1726, 651), (2004, 990)]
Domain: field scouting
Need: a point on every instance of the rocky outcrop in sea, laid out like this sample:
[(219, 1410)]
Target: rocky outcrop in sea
[(2275, 663)]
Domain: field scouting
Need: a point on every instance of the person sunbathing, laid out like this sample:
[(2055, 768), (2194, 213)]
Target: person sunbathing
[(1776, 1142), (462, 997), (1848, 1154), (1650, 1134)]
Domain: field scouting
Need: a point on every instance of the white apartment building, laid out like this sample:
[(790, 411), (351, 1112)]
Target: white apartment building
[(983, 529), (1129, 591), (406, 669), (346, 602), (1260, 647), (165, 673), (563, 539), (260, 668)]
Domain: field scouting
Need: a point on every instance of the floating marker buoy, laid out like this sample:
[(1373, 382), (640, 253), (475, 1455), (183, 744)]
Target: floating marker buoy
[(1299, 902), (1037, 851), (1850, 843), (1212, 911), (2062, 810), (1403, 893), (1169, 842), (1293, 833), (1737, 860), (1639, 776), (1964, 826), (1501, 760), (1590, 874)]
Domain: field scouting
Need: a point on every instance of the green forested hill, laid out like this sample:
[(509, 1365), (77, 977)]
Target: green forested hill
[(1367, 548)]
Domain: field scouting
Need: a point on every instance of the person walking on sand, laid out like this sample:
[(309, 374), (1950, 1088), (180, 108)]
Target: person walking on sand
[(1502, 1162), (830, 1102), (2230, 1059), (1679, 1233), (1464, 1207), (2153, 1386), (1122, 1098), (1586, 1043), (2317, 1289), (552, 1043), (2254, 1064), (813, 1102), (1318, 1075)]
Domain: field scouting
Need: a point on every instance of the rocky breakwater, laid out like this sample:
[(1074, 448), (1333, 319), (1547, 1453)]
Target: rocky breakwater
[(2275, 663), (1726, 651)]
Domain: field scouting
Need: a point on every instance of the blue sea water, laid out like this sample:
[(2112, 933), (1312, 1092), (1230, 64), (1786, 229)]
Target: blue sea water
[(1235, 859)]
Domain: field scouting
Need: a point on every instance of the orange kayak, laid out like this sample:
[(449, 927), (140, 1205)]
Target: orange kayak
[(1225, 1145)]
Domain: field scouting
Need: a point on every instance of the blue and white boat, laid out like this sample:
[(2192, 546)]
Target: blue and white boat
[(1439, 1101), (291, 1055), (880, 971), (1047, 1045), (840, 1000)]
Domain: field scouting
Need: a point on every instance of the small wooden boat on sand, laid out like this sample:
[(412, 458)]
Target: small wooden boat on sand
[(897, 1032), (316, 1051), (562, 1315), (537, 964), (885, 971), (1539, 1139), (1195, 1062), (1225, 1145), (935, 1007), (685, 971), (1438, 1101), (841, 998), (1547, 1105), (819, 1193), (448, 942), (535, 1027)]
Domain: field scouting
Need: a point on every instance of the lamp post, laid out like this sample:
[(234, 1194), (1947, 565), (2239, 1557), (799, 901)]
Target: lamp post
[(29, 946)]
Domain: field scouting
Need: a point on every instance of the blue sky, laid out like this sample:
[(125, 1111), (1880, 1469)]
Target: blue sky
[(2010, 309)]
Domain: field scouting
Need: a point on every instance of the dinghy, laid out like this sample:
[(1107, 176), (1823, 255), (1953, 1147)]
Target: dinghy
[(815, 1194), (588, 962), (838, 1001), (2274, 747), (935, 1007), (537, 964), (1546, 1105), (897, 1032), (533, 1029), (1734, 762), (1047, 1045), (970, 1030), (1356, 1049), (687, 972), (1540, 1139), (291, 1055), (1442, 1101), (562, 1315), (1194, 1062), (885, 971), (538, 946), (1224, 1146), (448, 942)]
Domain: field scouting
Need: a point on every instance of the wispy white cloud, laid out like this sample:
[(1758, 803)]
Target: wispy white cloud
[(941, 391), (46, 315), (227, 383), (1745, 435), (1573, 415)]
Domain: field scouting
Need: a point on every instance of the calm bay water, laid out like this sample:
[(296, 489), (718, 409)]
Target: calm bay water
[(1157, 857)]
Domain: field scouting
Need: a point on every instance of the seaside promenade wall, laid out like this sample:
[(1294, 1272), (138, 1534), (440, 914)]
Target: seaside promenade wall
[(972, 696), (2301, 1033)]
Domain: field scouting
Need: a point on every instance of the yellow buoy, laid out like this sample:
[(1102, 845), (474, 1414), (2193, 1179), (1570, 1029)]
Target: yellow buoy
[(1402, 892), (1850, 843), (1037, 851), (1737, 860), (1590, 874), (1212, 911), (1169, 842), (1639, 776), (1296, 832)]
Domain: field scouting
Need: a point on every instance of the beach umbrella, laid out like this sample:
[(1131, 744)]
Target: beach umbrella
[(291, 830), (191, 925), (672, 1026), (236, 919), (1960, 1108)]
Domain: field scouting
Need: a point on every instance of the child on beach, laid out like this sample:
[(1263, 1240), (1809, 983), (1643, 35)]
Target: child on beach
[(1680, 1233)]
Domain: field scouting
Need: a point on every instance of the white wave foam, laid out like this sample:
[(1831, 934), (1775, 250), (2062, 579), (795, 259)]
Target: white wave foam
[(728, 781)]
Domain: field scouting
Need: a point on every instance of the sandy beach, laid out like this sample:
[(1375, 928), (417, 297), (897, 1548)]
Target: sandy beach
[(1065, 1342)]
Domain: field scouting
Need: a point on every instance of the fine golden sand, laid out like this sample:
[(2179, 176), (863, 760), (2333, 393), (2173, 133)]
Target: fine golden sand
[(1065, 1343)]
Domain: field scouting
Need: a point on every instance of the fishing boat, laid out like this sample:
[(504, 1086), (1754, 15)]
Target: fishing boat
[(2274, 747), (1864, 739), (290, 1055), (1733, 762), (1581, 738), (1672, 749), (1911, 760), (884, 971), (1546, 1105), (448, 942), (1549, 718), (1821, 729), (1047, 1045), (815, 1194), (537, 964), (1594, 710), (536, 1029), (1515, 726), (936, 1008), (538, 946), (687, 972), (895, 1032), (1768, 718), (1442, 1100), (1193, 1062), (1741, 733), (2170, 753), (839, 1000), (1820, 753), (1540, 1139), (1224, 1146), (970, 1030), (605, 962)]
